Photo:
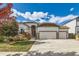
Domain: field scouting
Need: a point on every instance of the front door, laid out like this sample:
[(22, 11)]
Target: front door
[(33, 30)]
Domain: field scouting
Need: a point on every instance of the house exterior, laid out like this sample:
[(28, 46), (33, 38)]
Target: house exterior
[(45, 30), (77, 26)]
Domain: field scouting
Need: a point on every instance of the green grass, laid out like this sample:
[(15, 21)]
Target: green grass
[(21, 46)]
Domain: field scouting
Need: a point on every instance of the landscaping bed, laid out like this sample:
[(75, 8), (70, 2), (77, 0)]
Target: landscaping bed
[(20, 46)]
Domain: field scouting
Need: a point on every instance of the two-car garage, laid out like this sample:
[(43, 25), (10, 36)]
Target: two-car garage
[(53, 35), (52, 31)]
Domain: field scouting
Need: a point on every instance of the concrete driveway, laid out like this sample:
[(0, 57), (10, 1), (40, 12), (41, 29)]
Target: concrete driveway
[(55, 47)]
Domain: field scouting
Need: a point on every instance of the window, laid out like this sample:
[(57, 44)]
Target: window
[(22, 31)]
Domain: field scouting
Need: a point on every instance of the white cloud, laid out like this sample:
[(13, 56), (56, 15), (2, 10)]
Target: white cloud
[(54, 19), (68, 17), (41, 21), (58, 19), (38, 15), (27, 15), (71, 9)]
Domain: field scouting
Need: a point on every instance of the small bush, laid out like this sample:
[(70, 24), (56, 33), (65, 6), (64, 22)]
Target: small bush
[(14, 39), (24, 36), (9, 40), (19, 37), (27, 35), (77, 37), (2, 38)]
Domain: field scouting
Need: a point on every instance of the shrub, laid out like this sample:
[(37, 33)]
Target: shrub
[(2, 38), (27, 35), (19, 37), (77, 37), (9, 28), (9, 40)]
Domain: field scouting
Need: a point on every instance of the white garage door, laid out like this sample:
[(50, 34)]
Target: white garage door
[(47, 35), (62, 35)]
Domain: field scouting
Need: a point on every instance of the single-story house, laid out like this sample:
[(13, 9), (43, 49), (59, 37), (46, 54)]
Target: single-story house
[(44, 30)]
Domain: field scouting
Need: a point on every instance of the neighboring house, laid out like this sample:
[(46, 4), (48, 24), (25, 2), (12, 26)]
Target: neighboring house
[(73, 26), (77, 26), (44, 30)]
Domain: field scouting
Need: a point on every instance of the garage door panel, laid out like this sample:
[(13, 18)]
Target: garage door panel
[(47, 35), (62, 35)]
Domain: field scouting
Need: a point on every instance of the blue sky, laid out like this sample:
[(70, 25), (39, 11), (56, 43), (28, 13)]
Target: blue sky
[(58, 10)]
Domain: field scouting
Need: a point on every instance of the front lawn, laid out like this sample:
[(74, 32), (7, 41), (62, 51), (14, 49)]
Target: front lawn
[(21, 46)]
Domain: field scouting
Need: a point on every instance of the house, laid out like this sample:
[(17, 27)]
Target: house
[(77, 26), (44, 30)]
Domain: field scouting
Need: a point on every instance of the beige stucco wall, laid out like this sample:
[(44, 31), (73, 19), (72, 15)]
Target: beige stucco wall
[(24, 27), (30, 24), (47, 28), (63, 29)]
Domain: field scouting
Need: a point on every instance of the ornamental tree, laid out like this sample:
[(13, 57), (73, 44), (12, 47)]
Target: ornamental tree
[(9, 28)]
